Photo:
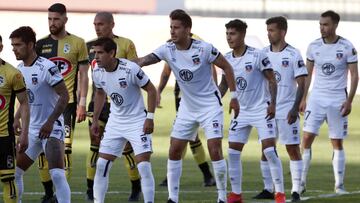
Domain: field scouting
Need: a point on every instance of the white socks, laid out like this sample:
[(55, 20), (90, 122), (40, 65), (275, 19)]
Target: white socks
[(147, 181), (220, 174), (174, 169), (295, 169), (275, 168), (339, 167), (235, 170), (19, 173), (306, 157), (266, 175), (63, 194), (101, 180)]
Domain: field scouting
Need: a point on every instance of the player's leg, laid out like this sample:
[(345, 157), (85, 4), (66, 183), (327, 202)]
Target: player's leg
[(54, 152), (7, 169), (198, 152), (268, 191), (45, 178), (69, 122), (130, 164)]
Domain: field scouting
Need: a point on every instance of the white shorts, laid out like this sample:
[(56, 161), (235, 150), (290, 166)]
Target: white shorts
[(322, 108), (241, 126), (187, 123), (115, 138), (288, 134), (37, 145)]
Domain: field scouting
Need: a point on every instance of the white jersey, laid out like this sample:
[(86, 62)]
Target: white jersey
[(288, 64), (40, 78), (192, 69), (251, 84), (123, 87), (330, 63)]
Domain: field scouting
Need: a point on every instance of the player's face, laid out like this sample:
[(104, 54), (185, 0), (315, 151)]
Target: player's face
[(20, 48), (327, 27), (56, 22), (103, 58), (103, 28), (179, 33), (234, 38), (274, 33)]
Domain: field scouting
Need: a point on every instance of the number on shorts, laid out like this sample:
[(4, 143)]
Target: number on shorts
[(234, 124), (307, 114)]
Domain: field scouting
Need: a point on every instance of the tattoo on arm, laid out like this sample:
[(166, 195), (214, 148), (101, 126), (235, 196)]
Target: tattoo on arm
[(269, 74), (62, 102), (223, 86), (300, 92), (147, 60)]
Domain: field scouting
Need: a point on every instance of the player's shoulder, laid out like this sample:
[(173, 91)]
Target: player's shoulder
[(344, 42), (317, 42), (267, 49), (44, 63), (125, 64), (74, 38), (252, 51), (228, 55), (289, 49), (122, 40)]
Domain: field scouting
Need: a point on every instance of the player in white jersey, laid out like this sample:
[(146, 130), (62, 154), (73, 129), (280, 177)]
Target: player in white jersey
[(332, 57), (290, 73), (200, 105), (256, 89), (122, 80), (48, 98)]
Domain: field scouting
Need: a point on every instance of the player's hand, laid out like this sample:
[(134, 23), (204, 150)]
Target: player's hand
[(292, 116), (345, 108), (302, 107), (270, 112), (158, 99), (234, 105), (80, 113), (148, 126), (17, 126), (22, 142), (46, 129), (95, 129)]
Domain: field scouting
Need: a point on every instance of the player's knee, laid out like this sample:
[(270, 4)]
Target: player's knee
[(57, 174), (293, 151), (103, 166), (7, 178), (145, 169)]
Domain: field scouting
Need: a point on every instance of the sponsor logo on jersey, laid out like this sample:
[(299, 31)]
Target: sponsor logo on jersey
[(354, 52), (270, 125), (123, 83), (186, 75), (66, 48), (265, 61), (143, 138), (10, 161), (339, 56), (140, 74), (301, 63), (117, 99), (285, 63), (241, 83), (277, 76), (248, 67), (214, 51), (63, 65), (328, 68), (30, 96), (2, 80), (2, 102), (196, 59)]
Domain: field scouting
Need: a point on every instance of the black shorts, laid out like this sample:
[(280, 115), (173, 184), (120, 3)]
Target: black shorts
[(7, 153), (104, 115)]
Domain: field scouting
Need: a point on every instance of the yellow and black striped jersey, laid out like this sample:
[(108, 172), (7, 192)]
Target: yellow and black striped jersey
[(11, 82), (67, 54)]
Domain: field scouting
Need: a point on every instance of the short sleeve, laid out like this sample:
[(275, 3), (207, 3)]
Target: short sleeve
[(212, 53), (138, 76), (18, 82), (309, 54), (131, 51), (53, 75), (96, 77), (265, 63), (83, 53), (299, 66), (160, 52), (351, 54)]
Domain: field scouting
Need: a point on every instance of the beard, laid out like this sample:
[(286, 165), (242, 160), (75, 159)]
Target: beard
[(56, 30)]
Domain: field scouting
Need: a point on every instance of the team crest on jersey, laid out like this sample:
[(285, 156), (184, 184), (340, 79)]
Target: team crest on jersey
[(248, 67), (241, 83), (2, 80), (10, 161), (285, 63), (66, 48), (295, 131), (123, 83), (34, 80), (277, 76), (339, 56), (30, 96), (196, 59), (63, 65), (328, 68), (117, 99), (144, 138), (2, 102), (186, 75)]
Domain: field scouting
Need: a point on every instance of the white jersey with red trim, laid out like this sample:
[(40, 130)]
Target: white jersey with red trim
[(40, 78), (192, 70), (288, 64)]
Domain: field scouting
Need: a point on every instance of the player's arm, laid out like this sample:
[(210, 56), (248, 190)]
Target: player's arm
[(25, 119), (151, 102), (354, 79), (310, 68), (223, 87), (214, 73), (147, 60), (99, 100), (60, 106), (294, 112), (83, 86), (270, 76), (222, 63), (164, 78)]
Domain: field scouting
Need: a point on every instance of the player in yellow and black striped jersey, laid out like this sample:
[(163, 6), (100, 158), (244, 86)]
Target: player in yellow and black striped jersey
[(104, 24), (70, 54), (11, 85)]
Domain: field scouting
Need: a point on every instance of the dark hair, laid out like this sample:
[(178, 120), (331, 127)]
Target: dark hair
[(280, 22), (25, 33), (182, 16), (0, 38), (58, 8), (335, 17), (107, 43), (239, 25), (106, 15)]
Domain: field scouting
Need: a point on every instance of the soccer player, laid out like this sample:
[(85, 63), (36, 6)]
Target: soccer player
[(70, 55), (190, 60), (104, 24), (290, 73), (332, 57), (11, 85), (256, 91), (48, 98), (122, 81)]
